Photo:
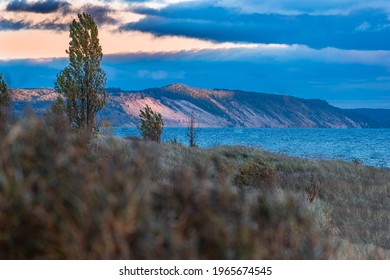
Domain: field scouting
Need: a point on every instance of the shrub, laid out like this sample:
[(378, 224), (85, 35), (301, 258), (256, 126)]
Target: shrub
[(151, 126), (4, 93), (106, 128), (62, 197), (44, 175), (56, 117), (4, 101), (256, 173)]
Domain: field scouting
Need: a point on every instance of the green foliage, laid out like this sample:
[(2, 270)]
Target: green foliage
[(151, 124), (83, 82), (56, 117), (256, 173), (4, 102), (4, 93)]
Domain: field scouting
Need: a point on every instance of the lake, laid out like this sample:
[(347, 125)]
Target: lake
[(370, 146)]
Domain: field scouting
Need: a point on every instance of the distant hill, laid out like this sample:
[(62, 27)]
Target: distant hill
[(378, 117), (215, 108)]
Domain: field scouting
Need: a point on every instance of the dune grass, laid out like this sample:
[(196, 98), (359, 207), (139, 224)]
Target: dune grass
[(66, 197)]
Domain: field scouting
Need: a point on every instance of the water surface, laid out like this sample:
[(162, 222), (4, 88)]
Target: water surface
[(370, 146)]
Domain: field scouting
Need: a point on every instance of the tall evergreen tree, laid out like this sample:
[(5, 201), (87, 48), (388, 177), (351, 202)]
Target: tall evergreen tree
[(83, 82)]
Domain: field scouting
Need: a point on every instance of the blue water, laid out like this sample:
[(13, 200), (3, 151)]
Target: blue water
[(369, 146)]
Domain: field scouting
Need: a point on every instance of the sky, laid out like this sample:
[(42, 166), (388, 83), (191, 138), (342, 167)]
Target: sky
[(338, 51)]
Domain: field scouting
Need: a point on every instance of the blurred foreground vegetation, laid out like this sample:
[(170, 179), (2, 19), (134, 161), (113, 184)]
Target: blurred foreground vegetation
[(65, 196)]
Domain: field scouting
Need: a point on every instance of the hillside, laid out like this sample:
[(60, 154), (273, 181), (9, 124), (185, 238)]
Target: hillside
[(62, 197), (212, 108), (378, 117)]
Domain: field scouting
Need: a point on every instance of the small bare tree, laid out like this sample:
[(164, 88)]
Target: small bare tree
[(191, 131)]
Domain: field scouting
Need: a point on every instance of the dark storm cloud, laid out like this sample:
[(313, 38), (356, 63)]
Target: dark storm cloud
[(360, 29), (42, 7)]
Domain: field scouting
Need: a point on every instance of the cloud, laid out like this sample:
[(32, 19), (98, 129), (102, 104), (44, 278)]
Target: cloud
[(222, 24), (42, 7), (363, 27), (101, 14), (338, 76), (261, 54), (155, 75), (48, 25), (25, 24), (298, 7), (326, 74), (158, 75), (334, 50), (31, 73), (12, 24), (50, 15), (295, 53)]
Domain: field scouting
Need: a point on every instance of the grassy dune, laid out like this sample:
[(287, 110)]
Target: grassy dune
[(62, 197), (351, 201)]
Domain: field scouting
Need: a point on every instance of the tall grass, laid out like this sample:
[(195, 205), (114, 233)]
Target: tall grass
[(351, 201), (63, 197)]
